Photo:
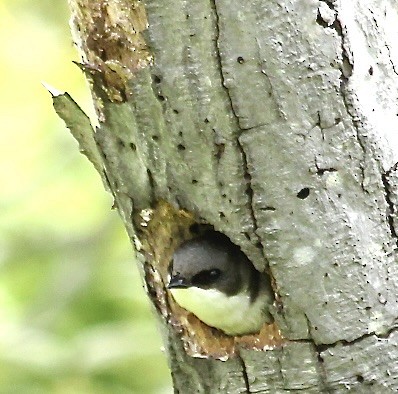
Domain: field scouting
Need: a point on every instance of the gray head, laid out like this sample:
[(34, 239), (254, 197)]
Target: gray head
[(210, 261)]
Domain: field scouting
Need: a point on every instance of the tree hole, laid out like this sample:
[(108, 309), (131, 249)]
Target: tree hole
[(303, 193)]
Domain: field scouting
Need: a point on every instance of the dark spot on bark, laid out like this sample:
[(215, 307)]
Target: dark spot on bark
[(157, 79), (121, 143), (155, 138), (194, 181), (176, 111), (220, 150), (370, 71), (240, 60), (181, 147), (222, 215), (161, 98), (360, 378), (206, 120), (133, 146), (303, 193), (150, 178)]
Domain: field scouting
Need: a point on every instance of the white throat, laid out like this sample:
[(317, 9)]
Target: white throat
[(235, 315)]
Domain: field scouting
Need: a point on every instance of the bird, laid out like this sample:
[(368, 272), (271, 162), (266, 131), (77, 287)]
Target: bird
[(213, 279)]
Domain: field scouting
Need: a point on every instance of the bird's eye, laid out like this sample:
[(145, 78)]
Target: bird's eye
[(206, 277)]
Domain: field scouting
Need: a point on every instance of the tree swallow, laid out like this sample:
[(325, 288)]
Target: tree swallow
[(212, 278)]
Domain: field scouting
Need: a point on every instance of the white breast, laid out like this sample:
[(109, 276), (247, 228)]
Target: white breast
[(235, 315)]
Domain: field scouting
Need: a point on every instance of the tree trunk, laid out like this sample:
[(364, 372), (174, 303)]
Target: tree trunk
[(275, 122)]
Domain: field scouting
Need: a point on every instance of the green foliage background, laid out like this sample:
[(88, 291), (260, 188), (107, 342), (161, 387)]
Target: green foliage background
[(73, 315)]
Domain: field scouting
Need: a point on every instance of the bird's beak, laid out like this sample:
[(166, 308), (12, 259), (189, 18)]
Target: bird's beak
[(178, 282)]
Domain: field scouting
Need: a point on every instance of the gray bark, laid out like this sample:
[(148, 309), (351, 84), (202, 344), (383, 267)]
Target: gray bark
[(275, 122)]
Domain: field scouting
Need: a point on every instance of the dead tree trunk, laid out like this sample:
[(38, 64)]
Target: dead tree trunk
[(276, 122)]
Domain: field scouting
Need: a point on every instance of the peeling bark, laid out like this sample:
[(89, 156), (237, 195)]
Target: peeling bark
[(275, 123)]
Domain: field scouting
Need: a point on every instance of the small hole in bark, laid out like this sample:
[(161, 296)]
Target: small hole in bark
[(207, 120), (181, 147), (194, 181), (370, 71), (157, 79), (240, 60), (360, 379), (222, 215), (155, 138), (176, 111), (161, 98), (303, 193), (133, 146)]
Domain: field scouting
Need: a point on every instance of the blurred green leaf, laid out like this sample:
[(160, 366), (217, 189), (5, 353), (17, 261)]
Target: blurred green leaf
[(73, 315)]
